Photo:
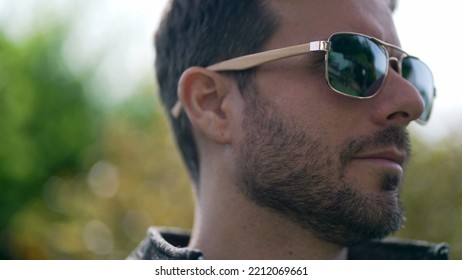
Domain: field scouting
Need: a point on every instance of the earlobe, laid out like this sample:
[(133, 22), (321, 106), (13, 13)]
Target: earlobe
[(202, 93)]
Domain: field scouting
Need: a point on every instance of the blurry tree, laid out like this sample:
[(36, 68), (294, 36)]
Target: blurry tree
[(79, 181), (432, 193), (45, 122), (134, 180)]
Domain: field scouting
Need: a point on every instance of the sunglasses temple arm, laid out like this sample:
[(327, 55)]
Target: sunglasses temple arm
[(252, 60), (176, 109), (249, 61)]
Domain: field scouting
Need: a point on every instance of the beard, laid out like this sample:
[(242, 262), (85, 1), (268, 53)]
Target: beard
[(298, 175)]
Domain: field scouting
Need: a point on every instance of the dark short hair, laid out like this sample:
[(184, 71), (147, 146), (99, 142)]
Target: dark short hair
[(200, 33)]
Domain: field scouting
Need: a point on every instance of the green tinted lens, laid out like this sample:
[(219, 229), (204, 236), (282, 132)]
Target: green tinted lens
[(356, 65), (418, 74)]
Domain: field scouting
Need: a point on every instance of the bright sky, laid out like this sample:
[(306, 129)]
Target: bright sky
[(120, 32)]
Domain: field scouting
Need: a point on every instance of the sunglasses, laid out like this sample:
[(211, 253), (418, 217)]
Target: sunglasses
[(356, 66)]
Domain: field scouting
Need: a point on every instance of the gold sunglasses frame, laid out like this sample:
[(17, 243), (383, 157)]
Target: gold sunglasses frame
[(252, 60)]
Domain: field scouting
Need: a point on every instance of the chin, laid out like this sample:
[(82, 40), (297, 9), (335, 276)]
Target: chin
[(369, 182)]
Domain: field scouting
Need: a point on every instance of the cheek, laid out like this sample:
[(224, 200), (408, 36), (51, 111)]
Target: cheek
[(307, 101)]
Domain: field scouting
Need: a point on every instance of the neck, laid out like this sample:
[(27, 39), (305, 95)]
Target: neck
[(230, 226)]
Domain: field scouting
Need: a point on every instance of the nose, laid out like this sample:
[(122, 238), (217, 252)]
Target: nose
[(399, 102)]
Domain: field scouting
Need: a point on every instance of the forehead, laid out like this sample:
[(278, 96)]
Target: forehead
[(301, 21)]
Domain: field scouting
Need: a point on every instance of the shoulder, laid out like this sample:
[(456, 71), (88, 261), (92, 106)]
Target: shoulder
[(397, 249)]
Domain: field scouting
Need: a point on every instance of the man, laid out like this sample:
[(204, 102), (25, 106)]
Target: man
[(296, 151)]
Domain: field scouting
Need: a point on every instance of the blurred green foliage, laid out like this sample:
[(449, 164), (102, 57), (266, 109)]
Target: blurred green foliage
[(45, 120), (79, 181), (432, 193)]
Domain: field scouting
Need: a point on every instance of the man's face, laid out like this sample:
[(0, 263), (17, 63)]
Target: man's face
[(330, 163)]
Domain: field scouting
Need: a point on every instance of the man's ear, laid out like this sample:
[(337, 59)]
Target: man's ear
[(202, 93)]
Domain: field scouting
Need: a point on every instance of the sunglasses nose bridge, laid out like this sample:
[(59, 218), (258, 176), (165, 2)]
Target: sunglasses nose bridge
[(395, 64)]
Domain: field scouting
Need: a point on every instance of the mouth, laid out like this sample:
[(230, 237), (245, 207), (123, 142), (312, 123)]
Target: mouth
[(392, 157)]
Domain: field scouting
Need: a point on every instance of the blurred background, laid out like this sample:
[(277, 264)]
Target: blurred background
[(87, 162)]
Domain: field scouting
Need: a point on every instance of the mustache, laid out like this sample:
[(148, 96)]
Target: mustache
[(391, 136)]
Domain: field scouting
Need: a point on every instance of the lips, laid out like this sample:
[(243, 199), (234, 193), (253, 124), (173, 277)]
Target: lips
[(394, 156)]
